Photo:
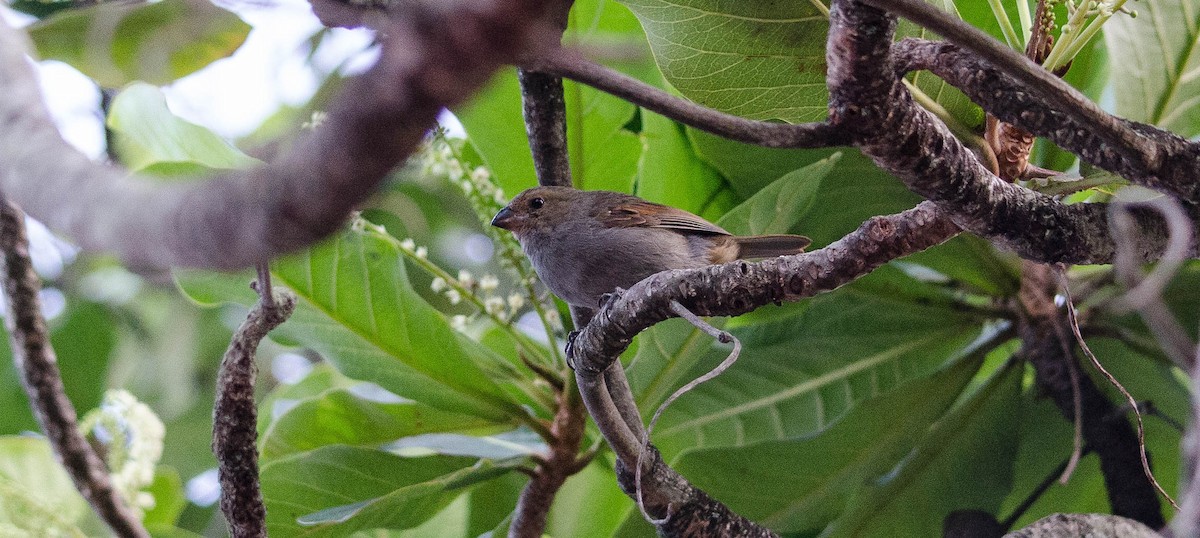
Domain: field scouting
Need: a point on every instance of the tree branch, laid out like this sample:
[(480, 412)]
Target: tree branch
[(570, 64), (1033, 78), (546, 125), (1047, 345), (1008, 99), (36, 363), (235, 416), (434, 56), (738, 287), (868, 99)]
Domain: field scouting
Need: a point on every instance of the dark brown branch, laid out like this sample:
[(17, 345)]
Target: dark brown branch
[(235, 417), (1106, 432), (545, 112), (433, 57), (1091, 525), (545, 117), (546, 126), (739, 287), (569, 64), (1061, 96), (533, 506), (689, 512), (1008, 99), (868, 99), (37, 366)]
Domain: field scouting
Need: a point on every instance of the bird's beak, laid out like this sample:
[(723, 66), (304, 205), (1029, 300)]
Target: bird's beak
[(504, 219)]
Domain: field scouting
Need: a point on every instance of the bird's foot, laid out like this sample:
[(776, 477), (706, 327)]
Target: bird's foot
[(609, 298), (570, 350)]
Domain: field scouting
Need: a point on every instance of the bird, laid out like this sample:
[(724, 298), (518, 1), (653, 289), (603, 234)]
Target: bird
[(585, 245)]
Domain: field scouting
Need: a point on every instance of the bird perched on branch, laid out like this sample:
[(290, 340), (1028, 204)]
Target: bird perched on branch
[(586, 244)]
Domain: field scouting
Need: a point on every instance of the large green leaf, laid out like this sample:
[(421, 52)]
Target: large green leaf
[(36, 495), (340, 417), (954, 102), (855, 190), (337, 490), (759, 60), (359, 311), (799, 484), (802, 371), (156, 42), (778, 207), (149, 137), (964, 462), (1158, 54)]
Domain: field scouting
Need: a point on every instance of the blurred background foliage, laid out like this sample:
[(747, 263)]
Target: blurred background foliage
[(399, 403)]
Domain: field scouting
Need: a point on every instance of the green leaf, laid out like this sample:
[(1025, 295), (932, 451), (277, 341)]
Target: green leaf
[(1047, 437), (778, 207), (801, 369), (337, 490), (758, 60), (799, 484), (359, 311), (945, 472), (340, 417), (37, 496), (151, 138), (1158, 54), (954, 102), (973, 262), (855, 190), (155, 42), (671, 173)]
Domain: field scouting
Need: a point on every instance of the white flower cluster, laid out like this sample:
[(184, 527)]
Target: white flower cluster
[(484, 290), (133, 435)]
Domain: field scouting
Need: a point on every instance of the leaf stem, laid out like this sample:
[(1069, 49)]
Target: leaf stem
[(1006, 27)]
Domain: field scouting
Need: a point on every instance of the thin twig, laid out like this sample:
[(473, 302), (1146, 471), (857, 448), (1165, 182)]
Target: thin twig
[(722, 337), (37, 365), (570, 64), (235, 417), (1141, 428)]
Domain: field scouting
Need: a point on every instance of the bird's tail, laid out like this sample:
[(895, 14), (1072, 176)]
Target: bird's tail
[(768, 246)]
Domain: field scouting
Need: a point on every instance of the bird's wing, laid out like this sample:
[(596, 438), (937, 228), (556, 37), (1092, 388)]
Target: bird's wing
[(651, 215)]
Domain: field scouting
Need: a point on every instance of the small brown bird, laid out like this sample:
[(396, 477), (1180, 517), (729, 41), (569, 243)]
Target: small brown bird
[(585, 244)]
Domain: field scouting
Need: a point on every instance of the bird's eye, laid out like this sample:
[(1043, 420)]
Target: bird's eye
[(537, 203)]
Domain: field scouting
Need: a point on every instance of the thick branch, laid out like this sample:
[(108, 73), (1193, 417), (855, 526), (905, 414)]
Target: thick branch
[(1033, 77), (570, 64), (1008, 99), (38, 368), (725, 290), (235, 416), (739, 287), (434, 57), (545, 112), (868, 99)]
